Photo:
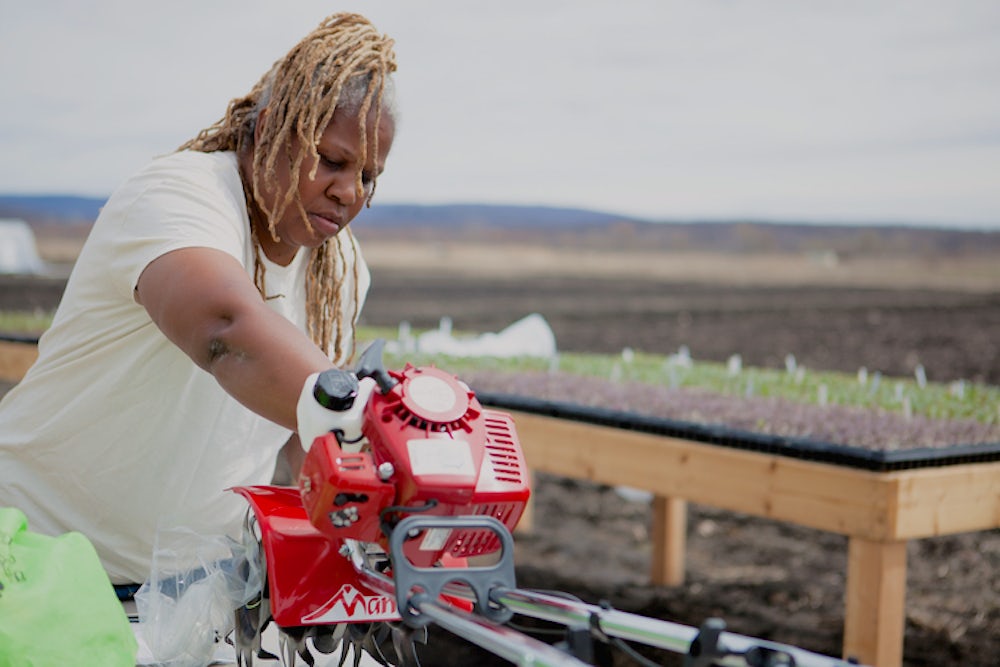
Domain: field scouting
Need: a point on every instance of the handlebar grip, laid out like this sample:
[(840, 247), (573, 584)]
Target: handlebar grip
[(371, 365)]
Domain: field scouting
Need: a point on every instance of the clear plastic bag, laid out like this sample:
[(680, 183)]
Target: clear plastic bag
[(186, 607)]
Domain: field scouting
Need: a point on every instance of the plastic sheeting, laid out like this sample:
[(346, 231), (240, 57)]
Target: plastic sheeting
[(530, 336), (18, 251)]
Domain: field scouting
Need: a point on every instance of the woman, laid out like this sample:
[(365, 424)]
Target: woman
[(213, 283)]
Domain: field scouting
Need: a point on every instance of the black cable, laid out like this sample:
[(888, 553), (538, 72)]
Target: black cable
[(616, 642), (339, 434), (387, 525), (631, 652), (544, 631)]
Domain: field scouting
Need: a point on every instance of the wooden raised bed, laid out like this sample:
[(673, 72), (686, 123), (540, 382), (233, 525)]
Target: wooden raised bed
[(15, 358), (878, 511)]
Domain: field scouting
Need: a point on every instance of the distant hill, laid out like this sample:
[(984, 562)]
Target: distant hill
[(569, 227), (34, 209), (486, 215), (73, 209), (453, 220)]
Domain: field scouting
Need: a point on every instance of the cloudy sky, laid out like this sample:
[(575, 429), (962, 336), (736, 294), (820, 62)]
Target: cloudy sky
[(835, 111)]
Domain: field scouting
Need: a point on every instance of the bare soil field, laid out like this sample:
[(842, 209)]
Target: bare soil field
[(889, 316), (764, 578)]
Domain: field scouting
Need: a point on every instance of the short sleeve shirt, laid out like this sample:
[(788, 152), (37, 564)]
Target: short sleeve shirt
[(115, 432)]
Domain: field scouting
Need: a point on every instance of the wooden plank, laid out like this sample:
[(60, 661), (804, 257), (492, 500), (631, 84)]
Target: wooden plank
[(946, 500), (875, 612), (526, 523), (816, 495), (669, 538), (15, 359)]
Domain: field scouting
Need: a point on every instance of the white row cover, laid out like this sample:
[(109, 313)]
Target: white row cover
[(18, 251), (531, 336)]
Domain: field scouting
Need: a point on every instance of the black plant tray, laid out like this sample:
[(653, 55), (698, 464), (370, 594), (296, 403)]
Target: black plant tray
[(715, 434)]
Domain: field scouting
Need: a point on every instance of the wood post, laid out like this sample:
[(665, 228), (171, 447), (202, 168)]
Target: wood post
[(669, 537), (15, 358), (527, 521), (875, 613)]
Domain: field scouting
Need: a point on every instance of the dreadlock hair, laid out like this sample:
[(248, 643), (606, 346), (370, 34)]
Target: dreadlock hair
[(344, 63)]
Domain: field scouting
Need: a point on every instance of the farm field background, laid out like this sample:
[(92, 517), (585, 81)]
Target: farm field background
[(888, 312)]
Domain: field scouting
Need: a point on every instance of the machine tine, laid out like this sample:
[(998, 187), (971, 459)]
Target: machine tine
[(359, 638), (358, 653), (249, 624), (403, 642), (326, 639), (243, 659), (287, 652), (263, 653), (293, 641), (377, 638), (343, 653), (244, 630), (353, 644)]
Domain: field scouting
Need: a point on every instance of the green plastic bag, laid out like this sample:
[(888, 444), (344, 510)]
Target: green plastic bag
[(57, 605)]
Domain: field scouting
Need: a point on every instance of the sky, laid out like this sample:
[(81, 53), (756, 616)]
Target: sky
[(838, 111)]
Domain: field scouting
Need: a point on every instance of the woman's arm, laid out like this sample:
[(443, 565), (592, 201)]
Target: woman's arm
[(289, 464), (205, 303)]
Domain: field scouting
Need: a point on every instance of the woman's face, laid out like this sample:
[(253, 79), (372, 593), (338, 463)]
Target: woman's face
[(330, 198)]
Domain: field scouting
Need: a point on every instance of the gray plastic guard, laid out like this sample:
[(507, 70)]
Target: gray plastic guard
[(415, 585)]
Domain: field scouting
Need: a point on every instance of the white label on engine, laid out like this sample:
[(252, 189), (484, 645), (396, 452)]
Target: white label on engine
[(435, 539), (439, 456)]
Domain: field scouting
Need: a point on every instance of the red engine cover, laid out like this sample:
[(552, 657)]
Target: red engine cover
[(451, 457), (341, 492)]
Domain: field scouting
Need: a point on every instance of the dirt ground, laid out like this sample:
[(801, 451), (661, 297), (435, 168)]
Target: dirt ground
[(954, 335), (763, 578)]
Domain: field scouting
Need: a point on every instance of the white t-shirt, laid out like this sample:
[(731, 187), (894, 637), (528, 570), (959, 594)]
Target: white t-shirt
[(115, 432)]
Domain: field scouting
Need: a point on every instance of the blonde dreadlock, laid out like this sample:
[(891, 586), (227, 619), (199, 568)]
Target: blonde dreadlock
[(343, 63)]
